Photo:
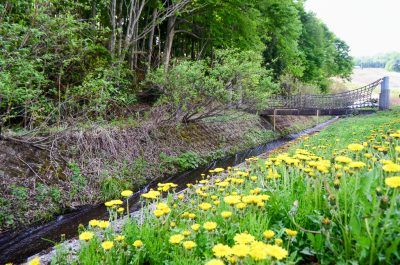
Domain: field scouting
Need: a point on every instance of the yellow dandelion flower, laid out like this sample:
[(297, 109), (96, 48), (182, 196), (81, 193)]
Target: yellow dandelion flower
[(126, 193), (258, 250), (355, 147), (186, 233), (278, 241), (240, 250), (120, 210), (343, 159), (210, 226), (119, 238), (268, 234), (232, 199), (393, 182), (290, 232), (221, 250), (158, 213), (176, 239), (243, 238), (195, 227), (391, 168), (138, 243), (226, 214), (205, 206), (241, 205), (107, 245), (86, 236), (189, 245), (215, 262), (94, 223), (276, 252), (103, 224), (357, 164), (34, 261)]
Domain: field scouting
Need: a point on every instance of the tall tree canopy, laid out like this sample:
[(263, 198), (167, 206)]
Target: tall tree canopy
[(66, 55)]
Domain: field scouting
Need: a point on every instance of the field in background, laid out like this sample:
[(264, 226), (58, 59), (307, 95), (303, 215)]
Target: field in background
[(361, 77)]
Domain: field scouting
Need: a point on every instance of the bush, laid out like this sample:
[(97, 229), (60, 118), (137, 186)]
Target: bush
[(194, 90)]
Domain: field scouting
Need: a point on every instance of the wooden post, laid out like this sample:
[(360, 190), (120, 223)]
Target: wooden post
[(317, 116), (274, 120), (384, 96)]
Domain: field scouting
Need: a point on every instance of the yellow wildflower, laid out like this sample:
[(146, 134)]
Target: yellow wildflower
[(357, 164), (195, 227), (221, 250), (107, 245), (189, 245), (93, 223), (276, 252), (158, 213), (393, 182), (391, 168), (205, 206), (176, 239), (278, 241), (343, 159), (215, 262), (258, 250), (138, 243), (243, 238), (355, 147), (152, 194), (241, 205), (119, 238), (210, 225), (226, 214), (268, 234), (86, 236), (34, 261), (232, 199), (104, 224), (290, 232), (240, 250), (126, 193)]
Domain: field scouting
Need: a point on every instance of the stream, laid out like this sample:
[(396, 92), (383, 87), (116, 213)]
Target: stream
[(17, 246)]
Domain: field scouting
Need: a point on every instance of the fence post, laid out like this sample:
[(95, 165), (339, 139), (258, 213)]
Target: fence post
[(384, 96)]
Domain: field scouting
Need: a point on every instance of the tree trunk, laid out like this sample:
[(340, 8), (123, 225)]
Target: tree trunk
[(113, 27), (151, 37), (168, 41)]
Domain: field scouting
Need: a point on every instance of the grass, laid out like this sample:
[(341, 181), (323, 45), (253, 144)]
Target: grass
[(332, 198)]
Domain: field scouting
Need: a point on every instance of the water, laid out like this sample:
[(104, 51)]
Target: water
[(16, 246)]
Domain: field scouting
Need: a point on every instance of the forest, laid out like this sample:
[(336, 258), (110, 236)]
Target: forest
[(389, 61), (79, 60)]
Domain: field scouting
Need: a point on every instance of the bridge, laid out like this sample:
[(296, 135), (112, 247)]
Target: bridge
[(349, 102)]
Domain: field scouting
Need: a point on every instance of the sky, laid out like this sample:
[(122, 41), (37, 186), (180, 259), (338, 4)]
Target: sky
[(369, 27)]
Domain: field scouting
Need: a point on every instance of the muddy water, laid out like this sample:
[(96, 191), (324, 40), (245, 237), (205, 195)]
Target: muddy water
[(19, 245)]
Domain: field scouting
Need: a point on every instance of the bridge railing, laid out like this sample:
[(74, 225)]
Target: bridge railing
[(358, 98)]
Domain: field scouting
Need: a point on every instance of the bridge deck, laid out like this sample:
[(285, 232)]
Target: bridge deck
[(316, 112)]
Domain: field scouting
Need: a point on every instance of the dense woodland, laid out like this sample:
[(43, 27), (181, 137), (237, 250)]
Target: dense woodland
[(389, 61), (100, 59)]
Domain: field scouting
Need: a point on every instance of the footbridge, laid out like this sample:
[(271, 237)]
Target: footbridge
[(350, 102)]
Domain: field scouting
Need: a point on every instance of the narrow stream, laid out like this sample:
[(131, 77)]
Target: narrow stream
[(16, 246)]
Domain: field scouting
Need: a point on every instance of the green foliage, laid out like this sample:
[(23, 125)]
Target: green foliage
[(389, 61), (192, 88), (185, 161), (77, 181)]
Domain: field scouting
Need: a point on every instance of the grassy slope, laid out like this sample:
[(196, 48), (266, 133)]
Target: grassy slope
[(337, 223)]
